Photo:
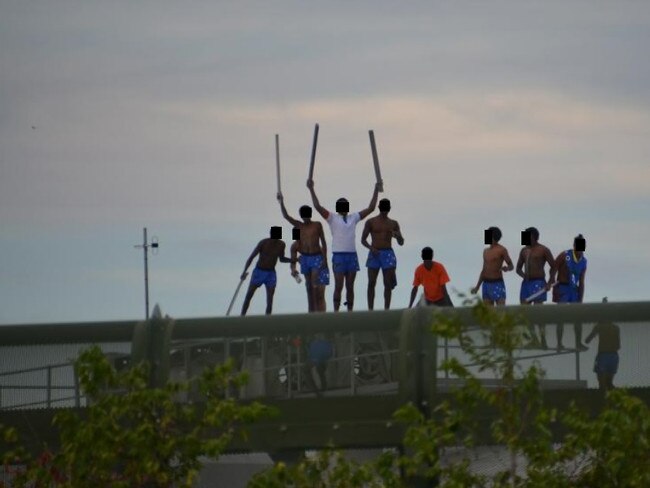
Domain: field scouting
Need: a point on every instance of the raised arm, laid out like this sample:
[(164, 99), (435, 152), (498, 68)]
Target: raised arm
[(372, 205), (294, 222), (255, 252), (319, 208)]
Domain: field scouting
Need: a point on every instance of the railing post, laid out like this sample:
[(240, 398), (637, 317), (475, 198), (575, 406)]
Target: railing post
[(353, 376), (48, 394), (77, 393)]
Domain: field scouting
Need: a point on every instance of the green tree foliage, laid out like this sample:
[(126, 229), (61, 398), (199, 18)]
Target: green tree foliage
[(131, 435), (609, 450)]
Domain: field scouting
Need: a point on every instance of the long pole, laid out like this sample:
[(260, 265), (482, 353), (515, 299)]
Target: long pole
[(146, 274), (313, 153), (277, 161), (375, 160)]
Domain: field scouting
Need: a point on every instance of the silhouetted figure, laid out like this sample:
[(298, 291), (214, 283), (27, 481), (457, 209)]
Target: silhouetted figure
[(270, 250), (609, 342)]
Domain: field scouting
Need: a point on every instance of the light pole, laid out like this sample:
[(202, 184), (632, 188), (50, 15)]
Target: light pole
[(145, 247)]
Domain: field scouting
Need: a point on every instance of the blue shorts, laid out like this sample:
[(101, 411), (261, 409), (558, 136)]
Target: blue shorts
[(324, 276), (530, 287), (320, 351), (264, 277), (385, 259), (494, 290), (309, 262), (606, 363), (565, 293), (345, 262)]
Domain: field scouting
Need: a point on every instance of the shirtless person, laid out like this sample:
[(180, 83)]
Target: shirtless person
[(571, 266), (530, 267), (381, 255), (494, 289), (345, 262), (323, 275), (270, 250), (313, 252)]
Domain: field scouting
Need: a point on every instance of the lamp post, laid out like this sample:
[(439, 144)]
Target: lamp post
[(145, 248)]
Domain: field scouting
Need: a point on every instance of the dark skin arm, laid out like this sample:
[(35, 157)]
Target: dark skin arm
[(255, 252), (321, 236), (372, 205), (397, 234), (551, 262), (283, 258), (294, 222), (559, 260), (364, 238), (509, 266), (520, 264), (581, 285), (414, 292), (319, 208)]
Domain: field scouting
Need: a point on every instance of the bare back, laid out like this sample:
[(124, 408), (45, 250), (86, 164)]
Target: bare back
[(533, 259), (310, 235), (270, 251)]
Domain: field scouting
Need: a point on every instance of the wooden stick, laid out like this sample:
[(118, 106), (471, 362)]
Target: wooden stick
[(234, 297), (313, 153), (539, 293), (277, 161), (375, 160)]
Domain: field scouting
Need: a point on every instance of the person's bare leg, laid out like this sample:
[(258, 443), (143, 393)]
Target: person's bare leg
[(389, 279), (501, 301), (310, 293), (270, 291), (338, 289), (372, 282), (349, 289), (247, 299), (602, 381), (559, 331), (315, 292), (578, 329)]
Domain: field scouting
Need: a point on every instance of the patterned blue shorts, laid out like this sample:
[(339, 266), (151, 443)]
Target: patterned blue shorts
[(494, 290), (264, 277), (385, 259), (530, 287), (345, 262)]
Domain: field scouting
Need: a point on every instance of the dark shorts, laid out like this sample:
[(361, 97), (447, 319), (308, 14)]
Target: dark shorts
[(345, 262), (530, 287), (385, 259), (565, 293), (320, 351), (606, 363), (309, 262), (264, 277), (494, 290)]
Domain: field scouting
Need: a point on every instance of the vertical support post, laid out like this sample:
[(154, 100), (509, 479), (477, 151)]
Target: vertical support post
[(353, 376), (577, 356), (77, 394), (264, 365), (146, 274), (289, 367), (48, 394)]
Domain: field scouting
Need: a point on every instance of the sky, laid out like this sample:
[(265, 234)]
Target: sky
[(115, 116)]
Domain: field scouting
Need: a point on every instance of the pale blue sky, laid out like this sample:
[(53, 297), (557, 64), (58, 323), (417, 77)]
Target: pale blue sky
[(163, 114)]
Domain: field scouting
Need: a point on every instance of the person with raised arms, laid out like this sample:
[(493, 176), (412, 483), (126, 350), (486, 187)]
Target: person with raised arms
[(345, 262), (380, 253), (313, 253)]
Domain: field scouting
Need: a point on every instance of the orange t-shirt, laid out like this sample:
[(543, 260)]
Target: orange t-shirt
[(432, 280)]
